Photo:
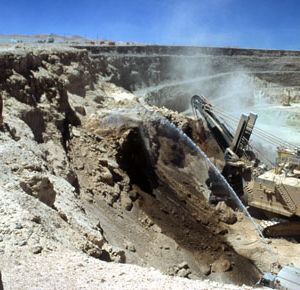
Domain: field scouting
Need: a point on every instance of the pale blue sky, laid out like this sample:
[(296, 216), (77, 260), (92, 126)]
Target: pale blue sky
[(256, 23)]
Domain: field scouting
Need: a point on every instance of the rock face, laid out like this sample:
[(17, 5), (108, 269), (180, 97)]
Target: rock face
[(181, 71), (38, 88), (41, 188), (160, 62), (87, 168), (163, 168)]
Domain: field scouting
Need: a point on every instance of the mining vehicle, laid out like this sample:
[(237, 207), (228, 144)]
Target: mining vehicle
[(288, 278), (274, 191)]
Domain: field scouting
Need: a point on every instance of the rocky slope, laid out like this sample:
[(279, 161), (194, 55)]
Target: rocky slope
[(87, 169), (77, 271), (169, 75), (91, 174)]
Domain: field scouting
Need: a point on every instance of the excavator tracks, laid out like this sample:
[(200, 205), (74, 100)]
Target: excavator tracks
[(287, 229)]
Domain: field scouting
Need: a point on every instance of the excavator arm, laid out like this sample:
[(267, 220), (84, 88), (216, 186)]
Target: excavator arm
[(233, 146), (216, 127)]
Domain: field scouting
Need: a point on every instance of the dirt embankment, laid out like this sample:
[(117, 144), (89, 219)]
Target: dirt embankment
[(87, 168)]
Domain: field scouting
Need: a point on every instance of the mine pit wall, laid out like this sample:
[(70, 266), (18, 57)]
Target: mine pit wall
[(276, 72), (40, 81), (37, 88), (25, 64), (43, 84)]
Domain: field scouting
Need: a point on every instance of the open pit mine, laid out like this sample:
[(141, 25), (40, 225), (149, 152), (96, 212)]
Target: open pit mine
[(130, 167)]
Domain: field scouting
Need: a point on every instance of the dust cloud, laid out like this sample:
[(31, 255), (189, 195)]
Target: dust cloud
[(233, 92), (280, 124), (277, 125)]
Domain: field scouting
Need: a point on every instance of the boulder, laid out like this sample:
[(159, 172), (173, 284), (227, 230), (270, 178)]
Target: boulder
[(221, 265), (40, 187), (126, 202), (130, 247), (226, 214), (37, 249), (205, 269), (106, 176)]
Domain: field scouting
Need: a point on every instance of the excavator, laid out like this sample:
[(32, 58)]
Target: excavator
[(274, 191)]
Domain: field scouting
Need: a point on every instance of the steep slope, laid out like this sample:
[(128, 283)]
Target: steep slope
[(86, 168)]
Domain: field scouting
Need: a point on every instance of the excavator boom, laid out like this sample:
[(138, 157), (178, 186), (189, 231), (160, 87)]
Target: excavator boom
[(234, 145)]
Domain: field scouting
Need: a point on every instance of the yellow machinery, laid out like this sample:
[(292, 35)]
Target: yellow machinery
[(276, 190)]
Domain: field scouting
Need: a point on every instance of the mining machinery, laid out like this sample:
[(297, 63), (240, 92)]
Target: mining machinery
[(288, 278), (274, 191), (237, 156)]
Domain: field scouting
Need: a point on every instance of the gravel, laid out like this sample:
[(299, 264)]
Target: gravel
[(74, 270)]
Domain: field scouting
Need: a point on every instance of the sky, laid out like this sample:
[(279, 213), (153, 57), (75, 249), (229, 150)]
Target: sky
[(236, 23)]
